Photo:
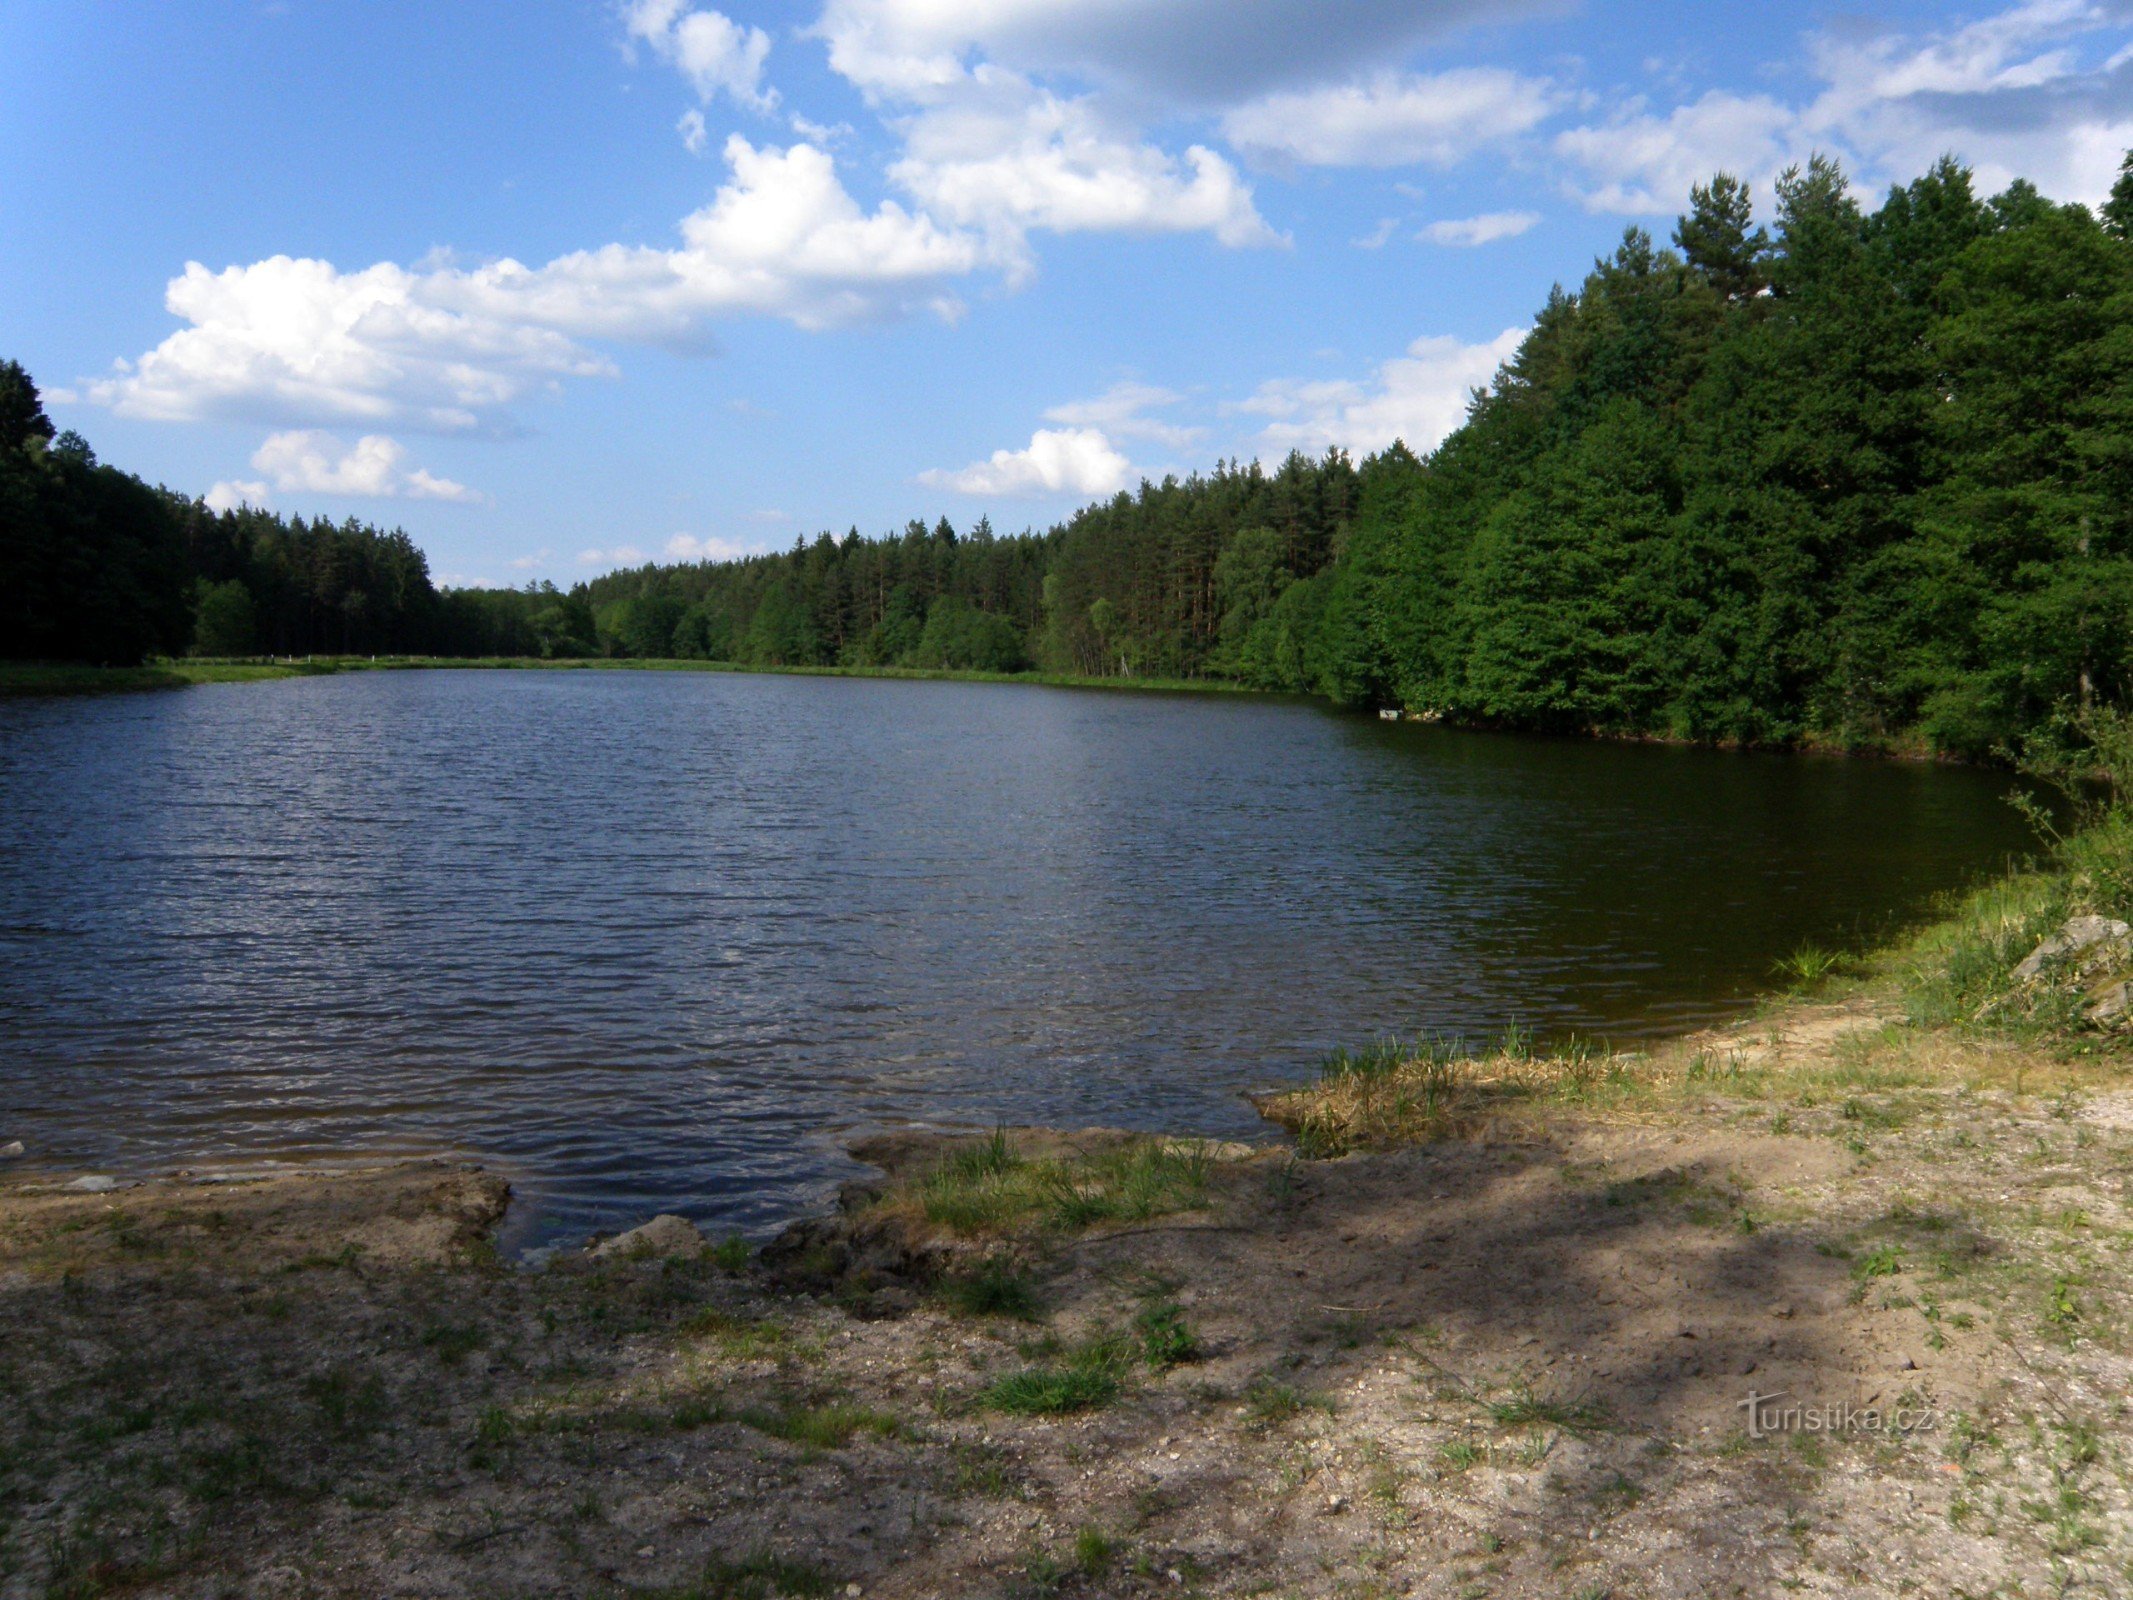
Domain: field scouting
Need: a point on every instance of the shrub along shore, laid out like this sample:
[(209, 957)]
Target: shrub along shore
[(1834, 1299)]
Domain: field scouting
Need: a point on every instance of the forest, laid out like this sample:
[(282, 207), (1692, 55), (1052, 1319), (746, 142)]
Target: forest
[(1860, 477)]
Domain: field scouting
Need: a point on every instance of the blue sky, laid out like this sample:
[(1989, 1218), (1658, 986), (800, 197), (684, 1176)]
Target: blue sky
[(569, 285)]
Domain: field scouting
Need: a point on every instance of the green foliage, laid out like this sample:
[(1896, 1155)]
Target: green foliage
[(225, 622), (994, 1289), (1166, 1339), (1086, 1381), (992, 1186)]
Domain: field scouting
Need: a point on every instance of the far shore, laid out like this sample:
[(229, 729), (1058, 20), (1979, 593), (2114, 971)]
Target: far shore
[(48, 678)]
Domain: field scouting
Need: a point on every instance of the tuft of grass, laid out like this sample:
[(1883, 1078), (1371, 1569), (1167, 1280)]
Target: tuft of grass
[(731, 1254), (1268, 1403), (757, 1576), (1166, 1339), (1809, 966), (995, 1186), (1390, 1094), (1523, 1406), (1085, 1380), (1094, 1551), (1051, 1391), (994, 1289), (821, 1427)]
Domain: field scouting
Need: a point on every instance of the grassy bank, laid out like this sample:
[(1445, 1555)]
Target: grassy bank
[(18, 678), (64, 678)]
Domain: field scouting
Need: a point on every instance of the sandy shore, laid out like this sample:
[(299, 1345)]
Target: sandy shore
[(1512, 1362)]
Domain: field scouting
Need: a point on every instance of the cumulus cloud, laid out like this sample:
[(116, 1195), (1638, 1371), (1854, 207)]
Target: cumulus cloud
[(446, 347), (1417, 398), (1058, 461), (695, 136), (2042, 89), (1392, 121), (1005, 157), (234, 494), (1469, 232), (1120, 412), (1646, 163), (374, 467), (711, 547), (716, 54), (622, 555)]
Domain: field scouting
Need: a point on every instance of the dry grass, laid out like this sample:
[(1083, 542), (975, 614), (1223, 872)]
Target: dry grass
[(1394, 1094)]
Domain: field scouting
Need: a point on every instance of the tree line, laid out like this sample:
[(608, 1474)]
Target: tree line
[(1865, 476)]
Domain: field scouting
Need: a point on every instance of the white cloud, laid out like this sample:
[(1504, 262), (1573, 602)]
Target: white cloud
[(1393, 121), (623, 555), (1120, 413), (716, 54), (1418, 398), (1006, 157), (532, 563), (1380, 236), (688, 547), (1058, 461), (374, 467), (695, 137), (2042, 89), (1645, 163), (1470, 232), (442, 348), (230, 495)]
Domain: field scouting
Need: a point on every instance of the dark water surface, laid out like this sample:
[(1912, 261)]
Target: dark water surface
[(646, 937)]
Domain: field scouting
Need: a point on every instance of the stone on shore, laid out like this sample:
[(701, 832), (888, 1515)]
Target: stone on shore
[(2080, 934), (661, 1238), (12, 1151)]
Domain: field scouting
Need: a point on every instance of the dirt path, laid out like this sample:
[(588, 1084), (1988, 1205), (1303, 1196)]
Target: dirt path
[(1510, 1365)]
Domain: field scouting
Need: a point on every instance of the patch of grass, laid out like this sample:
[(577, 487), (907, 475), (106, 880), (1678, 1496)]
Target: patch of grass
[(821, 1427), (757, 1576), (731, 1254), (993, 1289), (1094, 1551), (1882, 1261), (1391, 1094), (2061, 1309), (1166, 1339), (746, 1338), (1051, 1391), (1523, 1406), (1460, 1455), (995, 1186), (1809, 966), (1268, 1403)]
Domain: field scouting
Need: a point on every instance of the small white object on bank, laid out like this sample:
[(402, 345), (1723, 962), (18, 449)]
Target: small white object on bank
[(12, 1150)]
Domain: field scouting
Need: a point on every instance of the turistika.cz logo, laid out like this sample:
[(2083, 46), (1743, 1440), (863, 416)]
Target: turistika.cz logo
[(1770, 1414)]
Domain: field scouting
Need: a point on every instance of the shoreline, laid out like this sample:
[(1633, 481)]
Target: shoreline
[(1504, 1352)]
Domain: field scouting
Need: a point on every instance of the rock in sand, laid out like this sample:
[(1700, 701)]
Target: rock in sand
[(660, 1238), (2079, 934)]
